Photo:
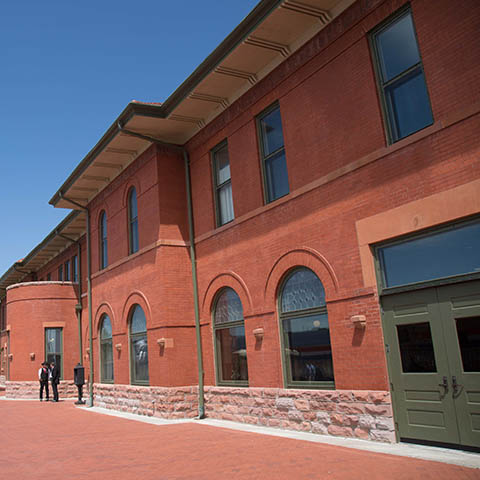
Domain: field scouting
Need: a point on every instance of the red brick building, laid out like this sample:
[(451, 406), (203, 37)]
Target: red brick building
[(291, 239)]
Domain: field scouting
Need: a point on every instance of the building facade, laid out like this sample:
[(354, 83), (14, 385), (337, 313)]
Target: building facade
[(291, 239)]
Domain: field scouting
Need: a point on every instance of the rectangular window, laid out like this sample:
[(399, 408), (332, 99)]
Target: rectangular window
[(223, 184), (400, 76), (60, 273), (274, 162), (67, 271), (445, 253), (54, 347), (75, 269), (49, 277)]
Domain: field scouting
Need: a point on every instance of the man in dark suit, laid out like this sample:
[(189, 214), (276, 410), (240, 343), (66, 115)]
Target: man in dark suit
[(55, 378)]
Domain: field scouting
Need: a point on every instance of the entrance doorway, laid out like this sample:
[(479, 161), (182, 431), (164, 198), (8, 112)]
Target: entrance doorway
[(432, 338)]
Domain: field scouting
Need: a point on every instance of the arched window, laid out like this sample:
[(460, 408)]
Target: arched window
[(230, 346), (132, 221), (305, 331), (106, 350), (138, 346), (103, 241)]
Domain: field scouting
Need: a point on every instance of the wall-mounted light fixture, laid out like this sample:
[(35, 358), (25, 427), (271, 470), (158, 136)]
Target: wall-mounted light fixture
[(10, 356), (359, 321), (32, 356), (161, 342), (118, 346)]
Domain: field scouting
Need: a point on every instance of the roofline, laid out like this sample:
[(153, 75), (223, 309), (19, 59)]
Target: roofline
[(243, 29), (64, 223), (263, 9)]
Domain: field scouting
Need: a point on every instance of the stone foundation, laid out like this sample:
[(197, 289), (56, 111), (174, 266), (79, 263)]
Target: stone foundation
[(30, 390), (345, 413), (163, 402)]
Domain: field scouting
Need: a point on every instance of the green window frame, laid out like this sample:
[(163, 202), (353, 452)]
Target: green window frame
[(67, 270), (402, 88), (60, 273), (229, 339), (103, 240), (106, 350), (75, 268), (273, 156), (222, 183), (133, 240), (139, 373), (305, 332), (54, 347)]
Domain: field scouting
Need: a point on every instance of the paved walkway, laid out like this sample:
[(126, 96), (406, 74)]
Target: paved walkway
[(61, 441)]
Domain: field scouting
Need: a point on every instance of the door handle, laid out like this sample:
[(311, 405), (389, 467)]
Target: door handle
[(444, 385), (457, 388)]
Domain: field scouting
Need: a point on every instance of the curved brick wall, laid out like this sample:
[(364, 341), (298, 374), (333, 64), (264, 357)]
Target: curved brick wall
[(32, 307)]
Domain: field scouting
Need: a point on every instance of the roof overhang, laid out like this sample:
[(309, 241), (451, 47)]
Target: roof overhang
[(273, 31), (65, 233)]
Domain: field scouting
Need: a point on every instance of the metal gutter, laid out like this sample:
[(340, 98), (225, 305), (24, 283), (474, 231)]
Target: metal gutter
[(251, 21), (193, 260), (89, 298)]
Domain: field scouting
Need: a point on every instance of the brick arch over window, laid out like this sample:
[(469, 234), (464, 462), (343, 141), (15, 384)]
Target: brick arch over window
[(304, 257), (134, 298), (226, 279), (132, 182), (104, 308)]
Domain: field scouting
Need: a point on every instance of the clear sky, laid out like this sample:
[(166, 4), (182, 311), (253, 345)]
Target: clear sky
[(68, 68)]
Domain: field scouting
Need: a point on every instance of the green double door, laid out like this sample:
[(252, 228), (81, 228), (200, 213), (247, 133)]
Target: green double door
[(432, 341)]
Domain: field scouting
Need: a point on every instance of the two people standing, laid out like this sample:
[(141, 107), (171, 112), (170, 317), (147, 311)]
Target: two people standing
[(46, 373)]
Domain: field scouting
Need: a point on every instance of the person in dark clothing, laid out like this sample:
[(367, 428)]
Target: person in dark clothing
[(55, 377), (43, 374)]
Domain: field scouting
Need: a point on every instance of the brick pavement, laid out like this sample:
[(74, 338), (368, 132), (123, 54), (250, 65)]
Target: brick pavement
[(60, 441)]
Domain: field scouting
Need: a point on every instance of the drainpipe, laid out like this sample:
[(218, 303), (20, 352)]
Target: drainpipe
[(89, 296), (201, 396), (78, 306)]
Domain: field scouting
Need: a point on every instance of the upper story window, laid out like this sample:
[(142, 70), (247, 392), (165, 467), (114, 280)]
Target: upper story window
[(49, 277), (60, 273), (272, 148), (399, 69), (132, 221), (67, 271), (223, 184), (103, 241), (305, 331), (3, 315), (230, 345), (75, 268)]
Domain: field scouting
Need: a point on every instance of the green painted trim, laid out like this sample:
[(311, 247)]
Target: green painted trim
[(217, 355), (381, 85), (287, 382)]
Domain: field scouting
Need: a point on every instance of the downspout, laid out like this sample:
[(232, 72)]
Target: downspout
[(78, 306), (89, 296), (201, 396)]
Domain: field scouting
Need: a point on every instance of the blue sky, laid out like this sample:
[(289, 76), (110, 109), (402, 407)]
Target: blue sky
[(67, 70)]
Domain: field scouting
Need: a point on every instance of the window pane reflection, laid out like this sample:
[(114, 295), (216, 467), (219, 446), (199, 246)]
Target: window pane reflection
[(416, 348), (233, 353), (417, 260), (307, 345), (468, 331)]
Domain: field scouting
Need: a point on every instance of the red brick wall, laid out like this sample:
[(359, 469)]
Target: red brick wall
[(331, 117), (32, 307)]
